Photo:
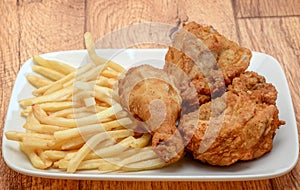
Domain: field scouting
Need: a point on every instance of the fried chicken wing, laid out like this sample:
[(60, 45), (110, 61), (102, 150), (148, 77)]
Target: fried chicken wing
[(239, 125), (150, 96), (209, 59)]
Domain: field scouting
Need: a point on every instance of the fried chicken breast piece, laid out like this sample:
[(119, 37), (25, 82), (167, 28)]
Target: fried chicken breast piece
[(209, 59), (239, 125), (150, 96)]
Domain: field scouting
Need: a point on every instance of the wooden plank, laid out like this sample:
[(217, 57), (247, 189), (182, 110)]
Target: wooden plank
[(266, 8), (9, 66), (104, 17), (48, 26), (280, 38), (219, 14), (174, 185)]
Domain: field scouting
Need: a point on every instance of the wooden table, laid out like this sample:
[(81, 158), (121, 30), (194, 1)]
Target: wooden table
[(35, 27)]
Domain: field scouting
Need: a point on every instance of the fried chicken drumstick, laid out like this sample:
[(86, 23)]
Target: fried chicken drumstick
[(150, 96)]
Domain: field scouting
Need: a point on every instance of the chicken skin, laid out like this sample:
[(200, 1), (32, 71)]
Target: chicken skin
[(239, 125), (209, 59), (151, 97)]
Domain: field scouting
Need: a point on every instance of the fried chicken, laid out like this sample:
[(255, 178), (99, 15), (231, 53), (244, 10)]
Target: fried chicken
[(150, 96), (209, 59), (239, 125)]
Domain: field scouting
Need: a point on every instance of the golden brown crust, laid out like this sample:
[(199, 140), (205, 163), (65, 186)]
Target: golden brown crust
[(231, 59), (240, 125), (152, 98)]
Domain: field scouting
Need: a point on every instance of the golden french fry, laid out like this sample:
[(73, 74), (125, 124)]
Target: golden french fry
[(105, 82), (92, 143), (34, 158), (53, 89), (115, 149), (139, 156), (85, 74), (78, 115), (75, 111), (95, 58), (144, 165), (61, 95), (46, 129), (110, 74), (63, 80), (37, 143), (48, 73), (90, 129), (55, 155), (42, 116), (38, 81), (73, 144), (55, 65), (20, 136), (71, 123), (57, 106)]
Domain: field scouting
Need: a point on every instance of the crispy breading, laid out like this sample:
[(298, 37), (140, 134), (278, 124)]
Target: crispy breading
[(239, 125), (209, 59), (153, 99)]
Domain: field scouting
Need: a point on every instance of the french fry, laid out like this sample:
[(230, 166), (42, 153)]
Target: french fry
[(53, 89), (38, 81), (20, 136), (95, 58), (63, 80), (78, 115), (105, 82), (55, 65), (103, 94), (144, 165), (115, 149), (90, 129), (92, 143), (55, 155), (34, 158), (37, 143), (111, 74), (61, 95), (139, 156), (73, 144), (48, 73), (71, 123), (68, 111), (46, 129), (57, 106)]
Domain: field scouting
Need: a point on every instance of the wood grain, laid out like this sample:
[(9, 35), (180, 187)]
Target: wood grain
[(219, 14), (48, 26), (9, 66), (266, 8)]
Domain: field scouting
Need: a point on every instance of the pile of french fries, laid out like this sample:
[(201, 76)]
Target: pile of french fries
[(73, 122)]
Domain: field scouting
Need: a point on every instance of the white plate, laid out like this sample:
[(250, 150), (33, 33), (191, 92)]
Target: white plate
[(279, 161)]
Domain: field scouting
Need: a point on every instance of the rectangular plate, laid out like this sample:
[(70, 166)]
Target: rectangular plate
[(279, 161)]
